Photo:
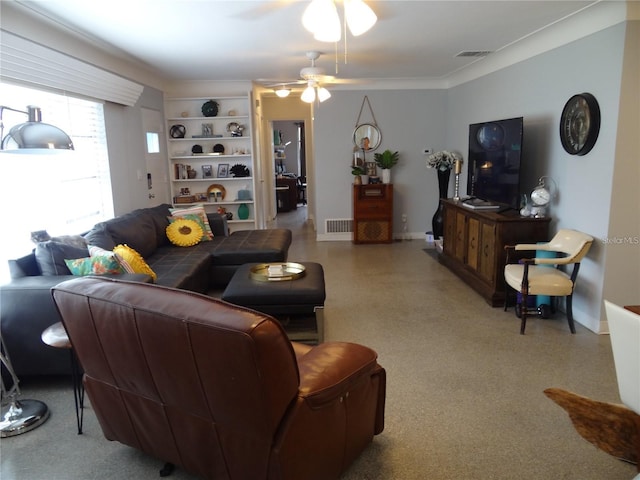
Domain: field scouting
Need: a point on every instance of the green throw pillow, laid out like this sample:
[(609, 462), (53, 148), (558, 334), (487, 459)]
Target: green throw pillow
[(101, 265)]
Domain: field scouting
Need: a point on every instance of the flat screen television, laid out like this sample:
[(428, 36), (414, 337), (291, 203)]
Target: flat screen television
[(494, 161)]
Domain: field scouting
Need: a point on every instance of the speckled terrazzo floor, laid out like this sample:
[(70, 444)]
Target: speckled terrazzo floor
[(464, 389)]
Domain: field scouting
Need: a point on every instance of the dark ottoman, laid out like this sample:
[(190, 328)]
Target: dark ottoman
[(293, 302)]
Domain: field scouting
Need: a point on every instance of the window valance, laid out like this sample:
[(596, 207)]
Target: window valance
[(28, 62)]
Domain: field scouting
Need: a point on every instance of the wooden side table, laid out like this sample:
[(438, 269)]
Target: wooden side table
[(373, 213), (56, 336)]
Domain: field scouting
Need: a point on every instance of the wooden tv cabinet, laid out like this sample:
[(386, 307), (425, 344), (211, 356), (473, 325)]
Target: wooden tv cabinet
[(474, 240)]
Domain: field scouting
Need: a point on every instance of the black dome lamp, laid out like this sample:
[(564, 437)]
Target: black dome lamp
[(33, 134)]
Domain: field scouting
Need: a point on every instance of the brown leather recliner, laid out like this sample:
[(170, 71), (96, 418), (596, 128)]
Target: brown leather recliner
[(219, 389)]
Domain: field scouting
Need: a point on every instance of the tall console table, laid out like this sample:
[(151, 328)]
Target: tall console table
[(474, 240), (373, 213)]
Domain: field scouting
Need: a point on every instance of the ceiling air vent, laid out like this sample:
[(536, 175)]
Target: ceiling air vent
[(474, 53)]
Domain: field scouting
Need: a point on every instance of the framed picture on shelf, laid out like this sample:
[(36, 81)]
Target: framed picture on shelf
[(207, 129), (223, 170), (207, 171)]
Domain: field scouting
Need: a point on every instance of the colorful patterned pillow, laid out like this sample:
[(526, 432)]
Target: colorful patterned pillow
[(195, 210), (133, 262), (184, 232), (196, 218), (99, 265), (99, 252)]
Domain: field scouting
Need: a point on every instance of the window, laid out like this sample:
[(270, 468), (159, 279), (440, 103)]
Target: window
[(63, 193), (153, 142)]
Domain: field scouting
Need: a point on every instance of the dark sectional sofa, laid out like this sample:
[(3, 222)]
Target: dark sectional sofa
[(27, 309)]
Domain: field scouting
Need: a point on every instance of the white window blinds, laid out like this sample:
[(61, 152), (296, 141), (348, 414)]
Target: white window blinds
[(64, 193), (27, 62)]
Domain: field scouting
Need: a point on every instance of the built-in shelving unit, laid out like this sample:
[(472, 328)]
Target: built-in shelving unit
[(203, 151)]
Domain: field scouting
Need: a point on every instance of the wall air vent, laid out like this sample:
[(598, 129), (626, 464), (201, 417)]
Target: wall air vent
[(339, 225), (474, 53)]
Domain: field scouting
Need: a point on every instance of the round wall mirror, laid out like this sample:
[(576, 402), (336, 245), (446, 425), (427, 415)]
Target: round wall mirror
[(367, 137)]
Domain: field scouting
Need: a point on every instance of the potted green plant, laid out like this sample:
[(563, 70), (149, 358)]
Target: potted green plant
[(357, 171), (385, 161)]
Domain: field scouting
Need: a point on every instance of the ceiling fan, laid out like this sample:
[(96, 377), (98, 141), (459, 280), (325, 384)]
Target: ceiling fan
[(314, 77)]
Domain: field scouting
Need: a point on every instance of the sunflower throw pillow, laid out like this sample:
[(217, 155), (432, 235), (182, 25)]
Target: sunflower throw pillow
[(184, 232), (199, 211), (133, 262), (196, 218)]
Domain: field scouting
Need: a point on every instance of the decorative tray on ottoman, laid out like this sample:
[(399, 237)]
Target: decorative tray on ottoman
[(276, 272)]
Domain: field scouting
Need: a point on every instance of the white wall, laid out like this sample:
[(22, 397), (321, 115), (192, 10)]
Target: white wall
[(126, 141), (593, 64), (409, 121), (536, 89), (622, 250)]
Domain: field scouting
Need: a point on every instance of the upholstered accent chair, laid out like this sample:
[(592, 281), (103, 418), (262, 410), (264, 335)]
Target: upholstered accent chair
[(218, 389), (531, 276)]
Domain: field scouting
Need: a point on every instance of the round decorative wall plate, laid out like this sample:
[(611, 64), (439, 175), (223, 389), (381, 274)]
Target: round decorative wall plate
[(210, 108), (580, 124)]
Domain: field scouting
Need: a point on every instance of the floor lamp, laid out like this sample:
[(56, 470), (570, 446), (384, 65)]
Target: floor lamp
[(18, 415), (34, 137)]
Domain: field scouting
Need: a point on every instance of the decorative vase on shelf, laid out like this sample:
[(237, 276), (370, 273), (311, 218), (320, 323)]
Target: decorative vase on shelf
[(386, 175), (437, 223), (243, 211)]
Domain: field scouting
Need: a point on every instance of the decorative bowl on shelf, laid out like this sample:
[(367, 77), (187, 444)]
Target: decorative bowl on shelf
[(177, 131), (218, 148), (235, 129)]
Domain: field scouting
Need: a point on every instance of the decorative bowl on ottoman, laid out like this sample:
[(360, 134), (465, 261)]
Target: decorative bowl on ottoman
[(294, 302)]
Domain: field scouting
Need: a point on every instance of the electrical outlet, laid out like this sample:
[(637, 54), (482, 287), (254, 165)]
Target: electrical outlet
[(427, 151), (404, 218)]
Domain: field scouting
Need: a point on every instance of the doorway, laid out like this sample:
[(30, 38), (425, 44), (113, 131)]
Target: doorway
[(289, 147), (290, 167), (298, 117)]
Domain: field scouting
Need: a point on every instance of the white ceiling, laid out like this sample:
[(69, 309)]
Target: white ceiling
[(220, 40)]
